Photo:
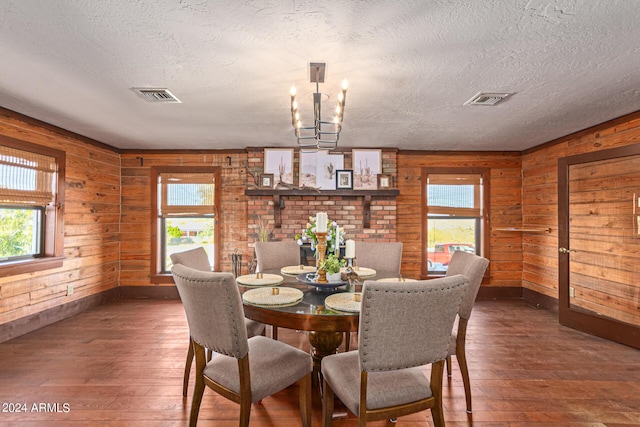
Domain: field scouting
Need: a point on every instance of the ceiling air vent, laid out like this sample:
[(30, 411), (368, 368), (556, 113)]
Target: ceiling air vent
[(156, 95), (483, 98)]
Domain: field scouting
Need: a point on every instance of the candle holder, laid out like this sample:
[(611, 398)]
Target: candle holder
[(321, 249)]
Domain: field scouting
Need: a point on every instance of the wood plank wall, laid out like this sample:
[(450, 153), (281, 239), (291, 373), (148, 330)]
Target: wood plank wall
[(136, 206), (107, 235), (540, 195), (92, 224), (505, 210)]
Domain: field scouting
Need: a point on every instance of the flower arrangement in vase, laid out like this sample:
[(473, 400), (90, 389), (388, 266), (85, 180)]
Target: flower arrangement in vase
[(332, 265), (334, 235)]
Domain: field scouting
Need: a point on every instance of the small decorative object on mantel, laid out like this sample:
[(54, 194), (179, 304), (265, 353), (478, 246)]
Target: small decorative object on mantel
[(344, 180), (266, 180), (384, 181)]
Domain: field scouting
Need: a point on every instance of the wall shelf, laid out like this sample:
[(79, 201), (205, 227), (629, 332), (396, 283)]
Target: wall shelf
[(523, 229), (279, 195)]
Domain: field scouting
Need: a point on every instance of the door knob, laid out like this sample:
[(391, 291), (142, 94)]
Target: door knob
[(565, 250)]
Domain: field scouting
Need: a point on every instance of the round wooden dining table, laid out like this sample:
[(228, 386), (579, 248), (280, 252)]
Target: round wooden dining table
[(326, 327)]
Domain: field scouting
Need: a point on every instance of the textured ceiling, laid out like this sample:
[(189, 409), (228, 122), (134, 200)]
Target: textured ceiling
[(411, 65)]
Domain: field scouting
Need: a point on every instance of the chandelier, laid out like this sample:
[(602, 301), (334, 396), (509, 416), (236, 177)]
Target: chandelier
[(323, 135)]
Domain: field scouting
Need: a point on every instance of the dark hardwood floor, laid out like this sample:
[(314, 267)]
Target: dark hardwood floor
[(121, 364)]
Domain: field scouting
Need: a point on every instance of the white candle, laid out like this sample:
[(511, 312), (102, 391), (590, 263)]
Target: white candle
[(321, 222), (350, 249), (337, 245)]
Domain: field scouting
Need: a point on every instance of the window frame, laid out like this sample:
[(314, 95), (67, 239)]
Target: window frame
[(53, 224), (485, 221), (156, 250)]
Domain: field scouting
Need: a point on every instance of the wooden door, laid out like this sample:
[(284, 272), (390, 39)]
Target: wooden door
[(599, 243)]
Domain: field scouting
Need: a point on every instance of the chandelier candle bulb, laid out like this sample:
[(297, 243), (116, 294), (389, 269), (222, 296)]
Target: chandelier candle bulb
[(321, 222), (350, 249)]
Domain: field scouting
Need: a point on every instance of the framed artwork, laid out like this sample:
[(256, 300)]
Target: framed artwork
[(367, 165), (279, 162), (326, 167), (344, 179), (266, 180), (307, 175), (384, 181)]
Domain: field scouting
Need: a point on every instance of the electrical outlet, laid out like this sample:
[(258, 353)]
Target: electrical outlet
[(572, 292), (69, 290)]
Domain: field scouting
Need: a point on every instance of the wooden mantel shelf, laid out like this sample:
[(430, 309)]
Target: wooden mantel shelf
[(524, 229), (278, 201), (344, 193)]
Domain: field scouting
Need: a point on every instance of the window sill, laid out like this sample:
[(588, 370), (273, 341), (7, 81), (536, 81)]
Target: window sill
[(162, 279), (30, 265)]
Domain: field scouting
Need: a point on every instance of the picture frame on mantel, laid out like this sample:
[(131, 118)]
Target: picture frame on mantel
[(367, 165), (344, 179), (307, 164), (326, 167), (279, 162), (266, 181)]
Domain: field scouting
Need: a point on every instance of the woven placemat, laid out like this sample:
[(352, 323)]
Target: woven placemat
[(264, 280), (268, 296), (363, 272), (344, 301), (396, 279), (294, 270)]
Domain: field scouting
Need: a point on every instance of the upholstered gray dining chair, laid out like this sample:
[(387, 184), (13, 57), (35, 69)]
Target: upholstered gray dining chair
[(403, 326), (244, 370), (474, 267), (384, 257), (198, 260), (272, 256), (381, 256), (275, 255)]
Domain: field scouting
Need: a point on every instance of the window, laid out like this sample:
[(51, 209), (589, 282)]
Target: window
[(185, 214), (455, 216), (31, 200)]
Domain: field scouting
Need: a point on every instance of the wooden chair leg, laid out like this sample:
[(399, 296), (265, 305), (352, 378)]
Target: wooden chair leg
[(187, 368), (305, 400), (198, 390), (245, 414), (448, 366), (327, 404), (436, 389), (274, 333), (462, 361), (347, 340)]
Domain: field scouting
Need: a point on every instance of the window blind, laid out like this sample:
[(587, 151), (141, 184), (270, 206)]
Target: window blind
[(454, 194), (26, 178), (186, 194)]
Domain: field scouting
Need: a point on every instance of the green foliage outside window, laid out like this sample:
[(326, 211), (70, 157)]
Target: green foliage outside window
[(16, 232), (174, 231)]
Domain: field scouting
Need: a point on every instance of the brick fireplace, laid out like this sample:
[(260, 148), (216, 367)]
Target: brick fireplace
[(350, 209)]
